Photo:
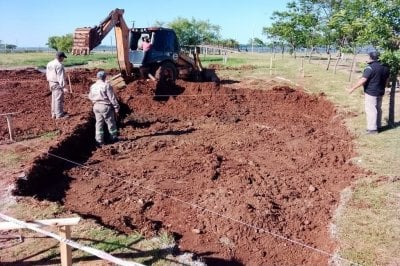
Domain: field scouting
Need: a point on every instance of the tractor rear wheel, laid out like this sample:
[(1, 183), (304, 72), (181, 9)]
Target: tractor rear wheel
[(166, 73)]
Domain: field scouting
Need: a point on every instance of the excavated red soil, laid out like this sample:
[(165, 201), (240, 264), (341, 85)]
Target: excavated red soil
[(232, 173), (26, 93)]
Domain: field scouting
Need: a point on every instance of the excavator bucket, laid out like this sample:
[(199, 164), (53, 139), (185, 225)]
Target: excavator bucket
[(82, 41), (199, 73), (117, 82), (87, 38)]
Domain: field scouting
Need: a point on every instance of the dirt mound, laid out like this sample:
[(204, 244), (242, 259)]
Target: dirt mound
[(274, 160), (27, 93), (230, 172)]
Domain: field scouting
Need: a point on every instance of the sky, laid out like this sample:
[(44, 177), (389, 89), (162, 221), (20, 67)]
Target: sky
[(30, 23)]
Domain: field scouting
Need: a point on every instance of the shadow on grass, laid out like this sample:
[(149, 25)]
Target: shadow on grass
[(152, 256), (390, 127)]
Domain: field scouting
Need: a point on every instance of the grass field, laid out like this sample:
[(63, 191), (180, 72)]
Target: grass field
[(367, 223), (40, 60)]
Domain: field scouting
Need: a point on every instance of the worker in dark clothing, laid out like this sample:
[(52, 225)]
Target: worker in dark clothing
[(374, 80)]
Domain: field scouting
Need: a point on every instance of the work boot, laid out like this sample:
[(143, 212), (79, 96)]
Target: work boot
[(371, 132), (63, 116), (99, 144), (114, 139)]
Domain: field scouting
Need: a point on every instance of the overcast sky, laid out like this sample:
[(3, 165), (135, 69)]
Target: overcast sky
[(30, 23)]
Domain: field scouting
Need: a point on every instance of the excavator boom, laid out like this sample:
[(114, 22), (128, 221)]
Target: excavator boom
[(87, 38)]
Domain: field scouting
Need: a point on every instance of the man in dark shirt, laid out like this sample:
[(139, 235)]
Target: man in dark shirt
[(374, 79)]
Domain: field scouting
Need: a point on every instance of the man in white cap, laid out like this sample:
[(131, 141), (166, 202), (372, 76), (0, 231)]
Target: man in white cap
[(55, 75), (105, 108)]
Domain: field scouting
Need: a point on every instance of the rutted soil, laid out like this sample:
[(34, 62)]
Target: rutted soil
[(225, 170), (26, 93)]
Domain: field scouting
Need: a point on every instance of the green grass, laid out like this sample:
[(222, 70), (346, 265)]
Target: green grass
[(110, 241), (206, 60), (50, 135), (9, 158), (98, 60), (149, 251), (44, 210), (40, 60), (369, 227)]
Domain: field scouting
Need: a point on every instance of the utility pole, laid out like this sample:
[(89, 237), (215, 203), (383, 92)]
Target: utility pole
[(111, 44)]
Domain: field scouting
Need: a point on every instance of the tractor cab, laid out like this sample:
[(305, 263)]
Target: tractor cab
[(164, 62), (164, 46)]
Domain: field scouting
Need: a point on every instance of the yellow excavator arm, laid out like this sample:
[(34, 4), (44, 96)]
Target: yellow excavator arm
[(87, 38)]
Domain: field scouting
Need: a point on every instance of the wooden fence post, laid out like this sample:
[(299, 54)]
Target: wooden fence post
[(65, 250), (270, 66), (70, 85), (10, 126)]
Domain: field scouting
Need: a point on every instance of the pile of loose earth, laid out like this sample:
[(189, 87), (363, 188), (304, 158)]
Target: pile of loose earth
[(230, 172)]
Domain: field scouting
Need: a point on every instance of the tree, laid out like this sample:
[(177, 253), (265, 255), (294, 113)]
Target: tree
[(52, 42), (194, 32), (61, 43), (382, 24), (158, 23), (258, 42), (348, 23), (382, 30), (392, 59), (231, 43), (295, 27), (7, 46), (376, 23), (11, 46)]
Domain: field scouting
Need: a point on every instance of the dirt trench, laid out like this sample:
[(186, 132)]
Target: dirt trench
[(224, 170)]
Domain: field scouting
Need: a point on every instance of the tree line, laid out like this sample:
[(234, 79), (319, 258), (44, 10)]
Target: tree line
[(188, 31), (344, 24), (7, 46)]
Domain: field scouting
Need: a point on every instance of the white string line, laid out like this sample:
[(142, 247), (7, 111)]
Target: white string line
[(186, 95), (296, 242), (12, 113), (206, 94), (84, 166)]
